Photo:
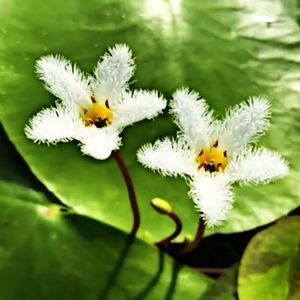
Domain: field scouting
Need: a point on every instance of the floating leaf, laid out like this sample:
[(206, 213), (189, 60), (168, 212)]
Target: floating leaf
[(48, 254), (270, 267), (228, 50)]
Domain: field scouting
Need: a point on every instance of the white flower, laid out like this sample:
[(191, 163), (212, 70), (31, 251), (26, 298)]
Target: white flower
[(214, 154), (92, 110)]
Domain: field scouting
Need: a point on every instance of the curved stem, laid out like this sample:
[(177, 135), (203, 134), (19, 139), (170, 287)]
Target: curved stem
[(131, 192), (166, 241), (198, 237), (218, 271)]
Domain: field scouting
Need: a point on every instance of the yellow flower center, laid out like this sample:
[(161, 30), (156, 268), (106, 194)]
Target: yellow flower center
[(212, 159), (97, 114)]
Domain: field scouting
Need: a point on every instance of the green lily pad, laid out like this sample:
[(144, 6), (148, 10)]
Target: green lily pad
[(48, 254), (228, 50), (270, 267), (224, 288)]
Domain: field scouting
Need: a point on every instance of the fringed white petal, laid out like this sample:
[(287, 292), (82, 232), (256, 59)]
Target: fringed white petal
[(212, 196), (168, 157), (99, 143), (261, 166), (193, 117), (244, 124), (63, 80), (113, 72), (51, 125), (138, 106)]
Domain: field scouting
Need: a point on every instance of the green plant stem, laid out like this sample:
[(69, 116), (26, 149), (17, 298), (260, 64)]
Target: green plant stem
[(166, 241), (131, 192), (189, 247)]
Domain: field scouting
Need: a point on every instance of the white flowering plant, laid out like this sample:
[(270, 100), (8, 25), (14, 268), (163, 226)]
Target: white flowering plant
[(72, 238), (91, 109), (213, 154), (210, 154), (222, 170)]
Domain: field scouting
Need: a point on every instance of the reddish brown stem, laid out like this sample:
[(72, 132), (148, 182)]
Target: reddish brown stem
[(219, 271), (166, 241), (131, 192), (198, 237)]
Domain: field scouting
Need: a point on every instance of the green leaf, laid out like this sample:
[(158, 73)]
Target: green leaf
[(228, 50), (48, 254), (270, 267), (224, 288)]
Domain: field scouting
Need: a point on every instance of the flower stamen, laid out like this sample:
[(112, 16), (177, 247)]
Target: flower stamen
[(212, 159), (97, 114)]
